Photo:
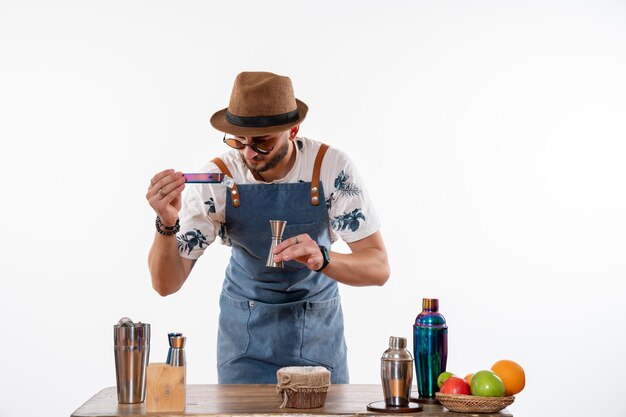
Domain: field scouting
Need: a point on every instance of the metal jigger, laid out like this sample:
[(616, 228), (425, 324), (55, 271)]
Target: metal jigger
[(278, 227), (178, 351)]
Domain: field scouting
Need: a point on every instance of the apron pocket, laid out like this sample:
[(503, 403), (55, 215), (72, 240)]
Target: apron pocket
[(232, 337), (323, 340), (276, 332)]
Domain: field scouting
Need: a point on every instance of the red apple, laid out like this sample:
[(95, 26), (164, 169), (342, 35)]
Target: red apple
[(455, 385)]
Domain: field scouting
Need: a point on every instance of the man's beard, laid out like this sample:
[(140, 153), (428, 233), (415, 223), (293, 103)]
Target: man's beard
[(270, 163)]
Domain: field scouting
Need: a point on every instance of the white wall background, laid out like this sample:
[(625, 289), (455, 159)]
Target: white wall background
[(491, 135)]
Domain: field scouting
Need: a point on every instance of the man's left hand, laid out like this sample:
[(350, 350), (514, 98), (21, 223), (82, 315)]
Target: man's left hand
[(300, 248)]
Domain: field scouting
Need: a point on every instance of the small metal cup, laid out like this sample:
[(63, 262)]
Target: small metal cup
[(169, 352), (132, 352), (278, 227), (178, 351)]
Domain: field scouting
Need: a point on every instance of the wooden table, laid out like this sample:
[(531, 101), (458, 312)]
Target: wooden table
[(251, 400)]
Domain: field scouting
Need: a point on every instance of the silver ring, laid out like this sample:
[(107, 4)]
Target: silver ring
[(161, 192), (297, 241), (152, 183)]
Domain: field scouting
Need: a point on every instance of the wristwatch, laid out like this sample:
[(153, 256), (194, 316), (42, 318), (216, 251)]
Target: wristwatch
[(325, 256)]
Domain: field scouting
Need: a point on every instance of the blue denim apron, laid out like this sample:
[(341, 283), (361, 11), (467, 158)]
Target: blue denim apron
[(271, 317)]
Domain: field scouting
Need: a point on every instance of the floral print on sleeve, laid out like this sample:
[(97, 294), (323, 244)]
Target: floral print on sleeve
[(223, 234), (348, 220), (191, 239), (211, 203), (329, 201), (342, 185), (351, 214)]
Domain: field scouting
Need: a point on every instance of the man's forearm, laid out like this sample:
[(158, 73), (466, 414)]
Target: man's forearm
[(166, 265), (366, 267)]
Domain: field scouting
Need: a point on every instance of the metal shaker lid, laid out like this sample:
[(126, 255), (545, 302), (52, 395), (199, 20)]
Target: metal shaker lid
[(397, 350), (430, 304), (397, 342), (131, 334)]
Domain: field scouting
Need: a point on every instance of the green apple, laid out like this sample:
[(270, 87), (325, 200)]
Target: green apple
[(486, 384), (442, 378)]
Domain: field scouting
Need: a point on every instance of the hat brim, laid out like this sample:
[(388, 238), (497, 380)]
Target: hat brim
[(218, 121)]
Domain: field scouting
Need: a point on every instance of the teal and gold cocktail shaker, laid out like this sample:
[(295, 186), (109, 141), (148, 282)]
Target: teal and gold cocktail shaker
[(430, 348)]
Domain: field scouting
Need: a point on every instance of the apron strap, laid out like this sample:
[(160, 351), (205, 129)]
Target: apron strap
[(234, 192), (315, 180)]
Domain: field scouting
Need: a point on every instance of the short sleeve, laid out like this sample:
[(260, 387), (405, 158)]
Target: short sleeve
[(201, 217), (351, 213)]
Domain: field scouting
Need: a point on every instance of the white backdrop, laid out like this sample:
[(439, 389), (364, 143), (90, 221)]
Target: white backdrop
[(491, 135)]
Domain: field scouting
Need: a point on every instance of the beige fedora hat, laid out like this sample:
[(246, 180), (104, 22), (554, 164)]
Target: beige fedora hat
[(261, 103)]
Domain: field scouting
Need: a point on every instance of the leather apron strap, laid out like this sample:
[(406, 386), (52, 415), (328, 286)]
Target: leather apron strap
[(315, 180), (234, 192)]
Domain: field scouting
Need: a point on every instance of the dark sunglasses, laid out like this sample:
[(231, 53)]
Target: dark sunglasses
[(258, 148)]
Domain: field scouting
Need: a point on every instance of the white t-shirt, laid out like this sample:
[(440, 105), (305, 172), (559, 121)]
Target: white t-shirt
[(351, 213)]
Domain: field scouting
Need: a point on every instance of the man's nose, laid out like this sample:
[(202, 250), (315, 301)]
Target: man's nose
[(249, 153)]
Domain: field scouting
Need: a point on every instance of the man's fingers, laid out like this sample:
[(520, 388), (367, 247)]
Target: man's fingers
[(301, 248), (163, 178), (154, 180), (296, 240), (172, 195), (160, 198), (165, 185), (300, 251)]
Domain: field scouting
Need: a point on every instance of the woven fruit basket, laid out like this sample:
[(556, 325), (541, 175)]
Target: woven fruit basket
[(473, 404)]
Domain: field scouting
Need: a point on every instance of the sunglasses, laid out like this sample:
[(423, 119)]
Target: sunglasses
[(262, 149)]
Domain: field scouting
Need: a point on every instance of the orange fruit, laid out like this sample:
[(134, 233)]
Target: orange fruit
[(512, 374), (468, 379)]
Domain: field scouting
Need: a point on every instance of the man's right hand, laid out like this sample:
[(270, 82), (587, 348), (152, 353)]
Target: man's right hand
[(164, 195), (168, 269)]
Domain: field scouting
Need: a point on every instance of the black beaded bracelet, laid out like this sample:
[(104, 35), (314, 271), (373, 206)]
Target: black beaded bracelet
[(167, 230)]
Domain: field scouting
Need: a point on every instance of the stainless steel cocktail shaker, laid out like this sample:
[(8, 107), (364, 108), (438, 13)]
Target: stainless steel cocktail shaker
[(132, 352), (396, 373), (278, 227)]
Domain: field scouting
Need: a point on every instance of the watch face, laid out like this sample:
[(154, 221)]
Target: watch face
[(326, 256)]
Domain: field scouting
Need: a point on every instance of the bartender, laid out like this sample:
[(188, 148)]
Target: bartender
[(271, 317)]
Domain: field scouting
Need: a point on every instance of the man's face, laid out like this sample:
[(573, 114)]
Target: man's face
[(279, 143)]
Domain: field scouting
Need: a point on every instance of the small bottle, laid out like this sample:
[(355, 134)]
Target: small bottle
[(396, 373), (430, 347)]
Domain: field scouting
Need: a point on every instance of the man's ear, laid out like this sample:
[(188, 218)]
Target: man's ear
[(293, 132)]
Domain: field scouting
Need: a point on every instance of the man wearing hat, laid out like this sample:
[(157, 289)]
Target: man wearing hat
[(271, 317)]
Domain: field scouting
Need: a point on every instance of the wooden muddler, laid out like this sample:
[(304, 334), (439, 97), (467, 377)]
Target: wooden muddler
[(165, 388)]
